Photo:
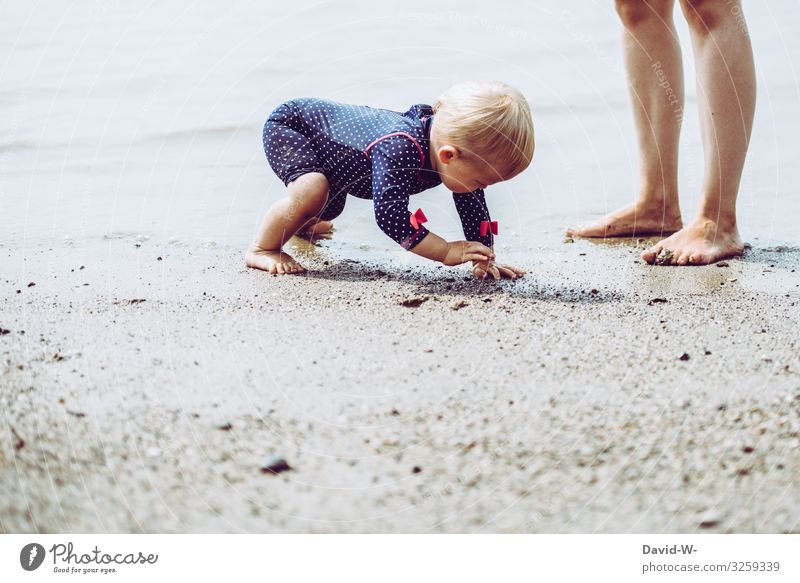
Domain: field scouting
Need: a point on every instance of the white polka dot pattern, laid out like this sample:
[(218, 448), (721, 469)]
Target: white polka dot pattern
[(369, 153)]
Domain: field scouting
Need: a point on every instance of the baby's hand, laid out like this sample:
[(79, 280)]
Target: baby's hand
[(483, 268), (459, 252)]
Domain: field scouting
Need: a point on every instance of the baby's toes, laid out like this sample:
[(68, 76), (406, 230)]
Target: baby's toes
[(683, 259)]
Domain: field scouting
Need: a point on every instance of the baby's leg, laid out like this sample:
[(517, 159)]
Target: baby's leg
[(315, 229), (321, 227), (305, 198)]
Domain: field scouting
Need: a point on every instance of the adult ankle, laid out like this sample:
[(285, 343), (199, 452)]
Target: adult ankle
[(723, 221), (658, 199)]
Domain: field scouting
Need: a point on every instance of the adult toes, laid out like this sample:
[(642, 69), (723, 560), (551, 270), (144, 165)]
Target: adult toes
[(698, 259), (683, 259), (585, 231), (650, 254)]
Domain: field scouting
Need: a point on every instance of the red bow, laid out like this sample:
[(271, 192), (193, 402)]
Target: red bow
[(486, 226), (417, 218)]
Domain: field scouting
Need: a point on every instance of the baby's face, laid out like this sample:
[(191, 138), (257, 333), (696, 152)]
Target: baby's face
[(466, 174)]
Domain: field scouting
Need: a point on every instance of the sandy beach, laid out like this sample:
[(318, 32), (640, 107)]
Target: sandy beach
[(144, 390), (149, 380)]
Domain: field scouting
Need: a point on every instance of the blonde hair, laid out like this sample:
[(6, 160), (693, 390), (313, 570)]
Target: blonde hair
[(488, 119)]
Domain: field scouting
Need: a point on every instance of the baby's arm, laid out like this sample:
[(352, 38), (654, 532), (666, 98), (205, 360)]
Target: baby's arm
[(453, 252), (394, 167), (472, 210)]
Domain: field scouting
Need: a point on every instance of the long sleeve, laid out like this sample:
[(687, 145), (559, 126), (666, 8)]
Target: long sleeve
[(472, 209), (395, 167)]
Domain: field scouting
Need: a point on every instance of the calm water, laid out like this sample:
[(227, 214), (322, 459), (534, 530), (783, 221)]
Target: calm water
[(127, 120)]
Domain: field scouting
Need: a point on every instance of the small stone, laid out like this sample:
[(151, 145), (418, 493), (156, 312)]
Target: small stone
[(416, 470), (709, 523), (4, 331), (414, 302), (275, 465), (31, 284), (130, 302), (657, 301), (19, 443), (684, 356), (731, 279), (748, 449), (159, 258), (225, 427), (664, 257), (722, 264)]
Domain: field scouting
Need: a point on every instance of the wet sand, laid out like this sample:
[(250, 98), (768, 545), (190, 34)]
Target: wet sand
[(598, 394)]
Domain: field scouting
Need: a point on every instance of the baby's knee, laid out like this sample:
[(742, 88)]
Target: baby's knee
[(309, 193), (633, 13)]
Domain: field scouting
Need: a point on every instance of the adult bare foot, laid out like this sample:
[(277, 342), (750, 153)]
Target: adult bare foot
[(638, 219), (276, 262), (702, 242)]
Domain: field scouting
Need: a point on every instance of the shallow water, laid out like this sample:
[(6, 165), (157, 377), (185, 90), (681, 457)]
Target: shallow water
[(145, 121)]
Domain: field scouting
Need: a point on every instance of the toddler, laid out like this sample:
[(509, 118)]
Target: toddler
[(476, 134)]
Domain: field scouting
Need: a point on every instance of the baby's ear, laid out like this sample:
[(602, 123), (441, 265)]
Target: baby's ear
[(447, 154)]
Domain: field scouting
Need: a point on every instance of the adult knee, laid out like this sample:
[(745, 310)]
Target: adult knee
[(633, 13), (704, 16)]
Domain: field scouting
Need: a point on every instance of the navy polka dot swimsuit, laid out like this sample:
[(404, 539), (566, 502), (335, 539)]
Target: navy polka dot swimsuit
[(369, 153)]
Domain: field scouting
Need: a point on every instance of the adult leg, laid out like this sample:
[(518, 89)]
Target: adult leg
[(655, 76), (726, 90)]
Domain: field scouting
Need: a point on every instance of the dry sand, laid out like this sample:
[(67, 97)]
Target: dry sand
[(597, 394)]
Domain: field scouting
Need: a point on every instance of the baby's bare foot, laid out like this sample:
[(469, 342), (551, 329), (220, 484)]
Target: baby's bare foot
[(316, 229), (276, 262), (699, 243), (635, 220)]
